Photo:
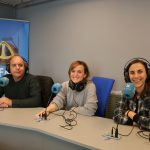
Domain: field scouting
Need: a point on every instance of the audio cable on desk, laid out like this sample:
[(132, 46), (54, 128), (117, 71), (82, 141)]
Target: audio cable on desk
[(143, 134), (70, 121), (117, 131), (115, 134)]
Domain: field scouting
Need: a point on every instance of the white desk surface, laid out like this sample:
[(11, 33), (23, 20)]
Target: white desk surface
[(87, 133)]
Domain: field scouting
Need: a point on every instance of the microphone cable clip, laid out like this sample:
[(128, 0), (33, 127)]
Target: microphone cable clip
[(45, 115), (113, 135), (42, 117)]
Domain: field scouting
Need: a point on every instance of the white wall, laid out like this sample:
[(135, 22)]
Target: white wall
[(104, 33)]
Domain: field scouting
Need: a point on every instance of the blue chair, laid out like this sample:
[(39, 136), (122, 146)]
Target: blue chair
[(103, 90)]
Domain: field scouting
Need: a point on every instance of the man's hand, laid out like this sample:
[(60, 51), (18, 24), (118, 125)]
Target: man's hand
[(5, 102)]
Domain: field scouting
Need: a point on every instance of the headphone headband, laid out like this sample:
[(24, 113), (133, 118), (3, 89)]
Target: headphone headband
[(126, 67), (137, 58)]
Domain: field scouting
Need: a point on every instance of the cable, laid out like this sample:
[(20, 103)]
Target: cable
[(70, 122), (143, 134), (76, 104), (117, 132)]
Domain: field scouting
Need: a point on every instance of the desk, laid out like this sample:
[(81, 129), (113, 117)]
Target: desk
[(19, 130)]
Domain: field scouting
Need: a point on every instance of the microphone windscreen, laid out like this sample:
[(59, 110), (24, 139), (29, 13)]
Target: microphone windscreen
[(128, 91), (4, 81), (56, 87)]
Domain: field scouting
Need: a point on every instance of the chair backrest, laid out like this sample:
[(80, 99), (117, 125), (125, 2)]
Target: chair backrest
[(103, 90), (46, 83)]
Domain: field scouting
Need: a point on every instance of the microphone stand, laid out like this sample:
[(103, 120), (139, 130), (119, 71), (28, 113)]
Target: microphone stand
[(55, 89), (44, 114), (116, 131)]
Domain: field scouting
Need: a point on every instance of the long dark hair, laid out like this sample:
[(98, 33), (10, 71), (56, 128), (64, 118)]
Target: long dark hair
[(126, 70)]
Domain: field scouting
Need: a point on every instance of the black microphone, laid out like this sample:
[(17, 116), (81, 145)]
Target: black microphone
[(4, 81), (56, 87)]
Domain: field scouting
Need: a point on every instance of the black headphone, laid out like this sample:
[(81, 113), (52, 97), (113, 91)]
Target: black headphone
[(126, 68), (77, 86), (24, 60)]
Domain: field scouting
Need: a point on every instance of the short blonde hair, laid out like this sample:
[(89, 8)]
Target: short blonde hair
[(77, 63)]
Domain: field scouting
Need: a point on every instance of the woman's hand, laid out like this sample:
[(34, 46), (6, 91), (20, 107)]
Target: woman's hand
[(46, 111), (3, 105), (42, 113), (5, 102), (130, 114)]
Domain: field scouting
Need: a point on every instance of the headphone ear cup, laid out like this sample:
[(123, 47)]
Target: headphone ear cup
[(78, 87), (71, 85), (126, 77), (8, 68), (26, 67), (148, 72)]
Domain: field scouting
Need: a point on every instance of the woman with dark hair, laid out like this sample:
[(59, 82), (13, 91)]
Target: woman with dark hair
[(137, 109), (78, 94)]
